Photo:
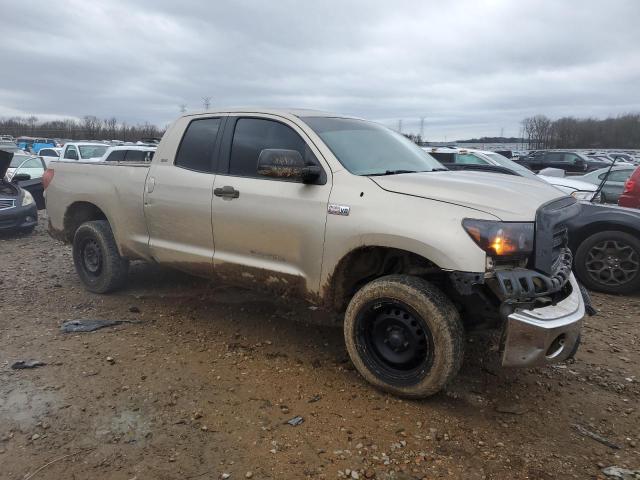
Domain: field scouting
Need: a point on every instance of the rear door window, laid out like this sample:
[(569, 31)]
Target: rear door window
[(196, 151)]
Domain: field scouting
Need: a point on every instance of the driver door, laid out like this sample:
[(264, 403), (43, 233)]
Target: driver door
[(268, 231)]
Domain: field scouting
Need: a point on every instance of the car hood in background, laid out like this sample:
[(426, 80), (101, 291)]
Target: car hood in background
[(508, 197), (570, 183)]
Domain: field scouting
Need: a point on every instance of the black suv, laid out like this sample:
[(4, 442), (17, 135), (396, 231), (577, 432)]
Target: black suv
[(570, 162)]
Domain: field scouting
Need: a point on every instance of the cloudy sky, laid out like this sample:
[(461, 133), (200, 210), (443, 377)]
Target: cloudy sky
[(469, 67)]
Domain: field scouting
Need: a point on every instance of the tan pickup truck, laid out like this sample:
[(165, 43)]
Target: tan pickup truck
[(349, 216)]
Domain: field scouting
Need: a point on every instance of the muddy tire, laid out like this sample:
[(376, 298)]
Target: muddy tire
[(609, 262), (96, 258), (404, 336)]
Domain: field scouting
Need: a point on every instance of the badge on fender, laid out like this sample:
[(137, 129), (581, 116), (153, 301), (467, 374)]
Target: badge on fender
[(334, 209)]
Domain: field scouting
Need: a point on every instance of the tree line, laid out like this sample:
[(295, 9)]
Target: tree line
[(88, 128), (568, 132)]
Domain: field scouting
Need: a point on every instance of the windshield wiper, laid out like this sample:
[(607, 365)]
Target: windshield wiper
[(392, 172)]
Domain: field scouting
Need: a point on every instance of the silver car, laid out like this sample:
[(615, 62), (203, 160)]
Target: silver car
[(614, 184)]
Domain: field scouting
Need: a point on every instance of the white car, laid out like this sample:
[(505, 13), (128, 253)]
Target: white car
[(83, 151), (450, 156), (50, 153)]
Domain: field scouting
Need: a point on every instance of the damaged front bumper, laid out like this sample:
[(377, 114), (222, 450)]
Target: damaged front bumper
[(544, 335)]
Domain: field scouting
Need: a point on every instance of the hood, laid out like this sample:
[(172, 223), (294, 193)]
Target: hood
[(5, 161), (569, 183), (508, 197)]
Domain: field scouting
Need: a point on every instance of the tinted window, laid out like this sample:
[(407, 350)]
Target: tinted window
[(196, 148), (620, 175), (444, 157), (138, 156), (554, 157), (253, 135), (116, 156), (47, 152)]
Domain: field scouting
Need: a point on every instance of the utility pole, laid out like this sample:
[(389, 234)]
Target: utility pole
[(501, 132), (183, 108), (400, 126), (206, 102), (422, 129)]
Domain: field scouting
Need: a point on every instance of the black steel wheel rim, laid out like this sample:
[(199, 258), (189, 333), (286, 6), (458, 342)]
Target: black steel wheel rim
[(394, 342), (613, 263), (91, 255)]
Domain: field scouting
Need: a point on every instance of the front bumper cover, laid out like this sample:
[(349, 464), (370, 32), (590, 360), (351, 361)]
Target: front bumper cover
[(17, 218), (544, 335)]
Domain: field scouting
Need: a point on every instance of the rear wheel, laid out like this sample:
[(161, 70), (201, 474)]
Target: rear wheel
[(609, 262), (96, 258), (404, 336)]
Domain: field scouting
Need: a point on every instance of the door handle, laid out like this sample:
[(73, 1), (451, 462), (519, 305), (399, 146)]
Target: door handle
[(226, 192), (151, 183)]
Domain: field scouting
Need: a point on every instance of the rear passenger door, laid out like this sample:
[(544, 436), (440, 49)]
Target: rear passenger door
[(177, 198), (268, 231)]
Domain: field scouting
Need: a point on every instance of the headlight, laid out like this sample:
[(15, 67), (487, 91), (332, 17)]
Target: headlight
[(501, 239), (27, 199), (583, 195)]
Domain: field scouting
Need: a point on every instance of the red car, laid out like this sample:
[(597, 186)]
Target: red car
[(631, 195)]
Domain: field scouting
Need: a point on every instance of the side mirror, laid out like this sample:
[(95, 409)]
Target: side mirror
[(580, 162), (286, 164), (71, 155), (20, 177)]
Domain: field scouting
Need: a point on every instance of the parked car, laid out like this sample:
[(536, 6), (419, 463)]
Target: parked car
[(605, 240), (18, 210), (49, 154), (130, 153), (83, 151), (625, 157), (570, 162), (630, 196), (615, 180), (34, 145), (348, 215), (465, 159)]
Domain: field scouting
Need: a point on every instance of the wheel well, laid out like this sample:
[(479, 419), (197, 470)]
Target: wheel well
[(364, 264), (581, 235), (77, 214)]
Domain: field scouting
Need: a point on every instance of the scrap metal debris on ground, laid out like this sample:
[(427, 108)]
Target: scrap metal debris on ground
[(598, 438), (617, 473), (74, 326), (24, 364), (295, 421)]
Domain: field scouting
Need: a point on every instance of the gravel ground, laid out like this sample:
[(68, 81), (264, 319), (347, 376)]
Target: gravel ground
[(203, 380)]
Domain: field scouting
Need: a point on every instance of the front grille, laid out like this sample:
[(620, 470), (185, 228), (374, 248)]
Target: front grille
[(7, 203), (551, 232)]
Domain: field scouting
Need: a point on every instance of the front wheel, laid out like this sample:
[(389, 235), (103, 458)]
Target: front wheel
[(96, 258), (609, 262), (404, 336)]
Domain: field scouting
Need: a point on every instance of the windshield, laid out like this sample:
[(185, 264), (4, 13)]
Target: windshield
[(511, 165), (366, 148), (92, 151), (17, 160)]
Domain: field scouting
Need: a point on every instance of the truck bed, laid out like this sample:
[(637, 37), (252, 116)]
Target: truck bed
[(112, 187)]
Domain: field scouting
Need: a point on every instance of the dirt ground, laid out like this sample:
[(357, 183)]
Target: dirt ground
[(203, 381)]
